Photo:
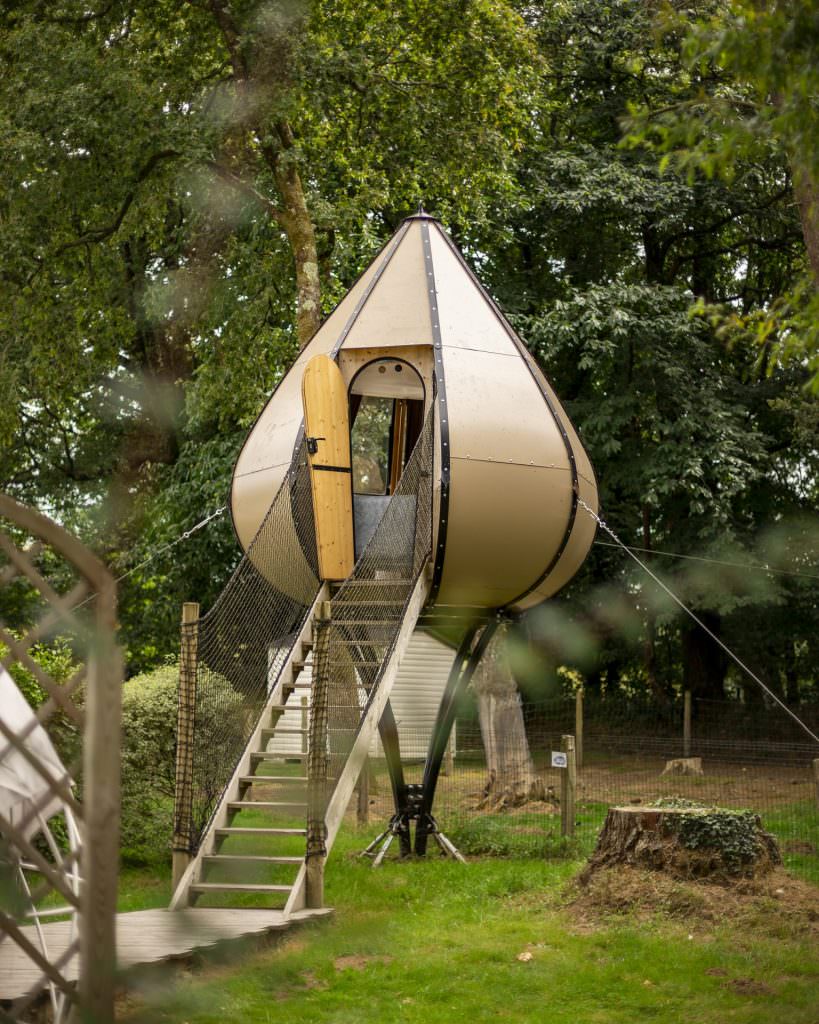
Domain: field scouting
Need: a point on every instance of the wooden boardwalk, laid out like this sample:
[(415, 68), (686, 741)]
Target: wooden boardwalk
[(145, 937)]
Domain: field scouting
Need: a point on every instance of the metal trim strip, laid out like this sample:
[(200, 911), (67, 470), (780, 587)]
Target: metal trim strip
[(443, 415)]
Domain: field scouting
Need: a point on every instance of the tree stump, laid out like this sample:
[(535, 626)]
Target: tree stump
[(683, 766), (687, 842)]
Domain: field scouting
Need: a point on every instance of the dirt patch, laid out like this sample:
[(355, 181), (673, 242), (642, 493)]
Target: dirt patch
[(777, 904), (312, 982), (617, 779), (748, 987), (798, 846), (359, 963)]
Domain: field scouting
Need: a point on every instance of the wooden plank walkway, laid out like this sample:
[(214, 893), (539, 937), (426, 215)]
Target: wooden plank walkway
[(145, 937)]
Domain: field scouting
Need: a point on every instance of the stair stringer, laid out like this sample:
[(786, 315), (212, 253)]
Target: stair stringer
[(180, 898), (366, 733)]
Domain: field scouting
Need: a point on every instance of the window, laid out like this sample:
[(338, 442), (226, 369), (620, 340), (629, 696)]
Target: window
[(370, 443)]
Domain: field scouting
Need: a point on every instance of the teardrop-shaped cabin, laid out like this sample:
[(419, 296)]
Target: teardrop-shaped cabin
[(418, 332)]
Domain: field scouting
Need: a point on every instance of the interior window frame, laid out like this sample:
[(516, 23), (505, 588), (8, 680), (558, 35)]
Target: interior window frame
[(416, 378)]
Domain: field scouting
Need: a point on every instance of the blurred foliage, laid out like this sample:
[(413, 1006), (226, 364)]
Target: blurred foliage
[(58, 660), (148, 300), (747, 98)]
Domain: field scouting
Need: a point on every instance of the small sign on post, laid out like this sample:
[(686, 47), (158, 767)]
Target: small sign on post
[(559, 759)]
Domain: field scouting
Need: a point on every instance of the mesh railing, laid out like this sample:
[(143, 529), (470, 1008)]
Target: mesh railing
[(353, 646), (243, 642), (626, 759)]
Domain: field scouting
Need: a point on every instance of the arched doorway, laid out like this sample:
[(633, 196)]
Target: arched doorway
[(386, 415)]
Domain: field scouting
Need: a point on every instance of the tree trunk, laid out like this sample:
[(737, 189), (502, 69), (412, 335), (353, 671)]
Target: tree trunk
[(278, 152), (649, 644), (511, 777), (807, 199), (301, 234), (704, 663)]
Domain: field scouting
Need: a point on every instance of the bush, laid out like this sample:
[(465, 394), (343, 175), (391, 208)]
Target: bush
[(148, 763), (149, 707)]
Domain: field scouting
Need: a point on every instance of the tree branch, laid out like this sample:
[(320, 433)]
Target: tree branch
[(101, 233), (245, 188), (81, 19), (220, 9)]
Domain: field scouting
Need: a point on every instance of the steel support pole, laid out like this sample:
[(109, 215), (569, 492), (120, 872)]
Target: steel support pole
[(460, 675)]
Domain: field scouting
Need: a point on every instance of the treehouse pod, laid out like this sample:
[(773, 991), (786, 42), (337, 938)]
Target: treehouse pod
[(417, 331)]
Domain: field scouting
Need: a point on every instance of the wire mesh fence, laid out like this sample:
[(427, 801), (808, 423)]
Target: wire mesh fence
[(629, 753), (242, 644)]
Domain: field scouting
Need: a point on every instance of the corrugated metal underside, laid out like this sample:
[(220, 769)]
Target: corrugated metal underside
[(415, 697)]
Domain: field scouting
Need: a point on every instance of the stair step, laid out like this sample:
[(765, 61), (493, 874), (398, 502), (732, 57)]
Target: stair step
[(361, 643), (247, 858), (349, 602), (202, 887), (265, 755), (224, 833), (249, 780), (386, 623), (268, 734), (382, 583), (355, 664), (290, 687), (264, 805)]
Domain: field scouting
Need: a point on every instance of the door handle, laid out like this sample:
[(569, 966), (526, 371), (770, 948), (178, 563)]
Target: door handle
[(312, 444)]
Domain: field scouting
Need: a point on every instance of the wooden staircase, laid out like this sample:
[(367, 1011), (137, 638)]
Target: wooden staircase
[(253, 852), (254, 844)]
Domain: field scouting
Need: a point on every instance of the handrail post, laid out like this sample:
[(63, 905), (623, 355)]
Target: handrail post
[(101, 806), (185, 716), (318, 762)]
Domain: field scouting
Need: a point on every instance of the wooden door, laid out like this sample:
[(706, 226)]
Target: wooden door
[(326, 423)]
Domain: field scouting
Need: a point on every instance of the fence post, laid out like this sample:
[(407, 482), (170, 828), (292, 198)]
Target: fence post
[(578, 727), (449, 755), (183, 789), (687, 724), (816, 778), (318, 761), (568, 783), (363, 805)]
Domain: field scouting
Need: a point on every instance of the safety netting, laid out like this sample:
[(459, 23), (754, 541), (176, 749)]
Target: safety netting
[(353, 645), (502, 793), (240, 647)]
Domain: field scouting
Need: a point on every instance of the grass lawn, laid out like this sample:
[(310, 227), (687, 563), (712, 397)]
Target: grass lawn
[(434, 941)]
